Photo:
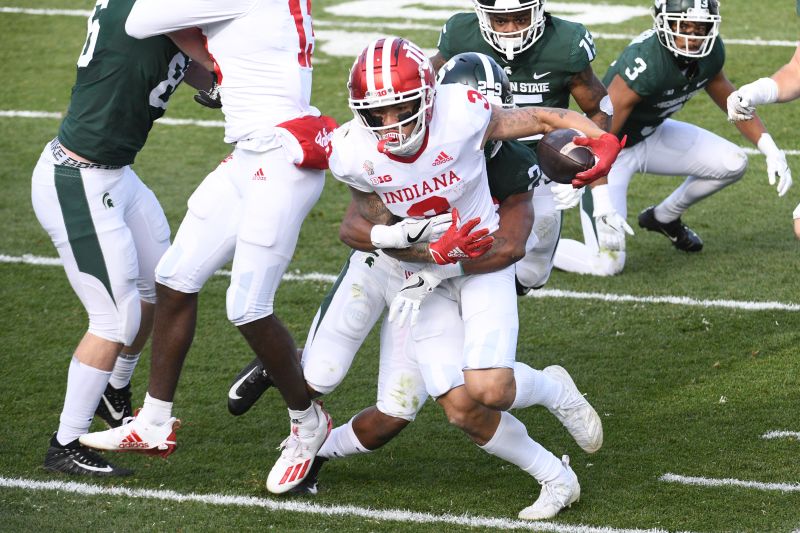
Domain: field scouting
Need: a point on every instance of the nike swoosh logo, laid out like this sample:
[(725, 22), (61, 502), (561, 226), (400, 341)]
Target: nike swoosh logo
[(540, 76), (232, 393), (412, 240), (417, 286), (116, 415), (106, 468)]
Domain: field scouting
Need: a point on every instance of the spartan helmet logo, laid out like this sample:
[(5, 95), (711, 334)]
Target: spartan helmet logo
[(107, 201)]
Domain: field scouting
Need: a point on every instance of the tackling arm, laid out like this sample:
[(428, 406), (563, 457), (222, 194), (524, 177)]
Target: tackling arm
[(516, 222), (437, 61)]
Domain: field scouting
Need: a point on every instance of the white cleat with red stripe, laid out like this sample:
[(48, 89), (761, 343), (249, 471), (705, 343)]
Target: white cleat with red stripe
[(136, 436), (298, 453)]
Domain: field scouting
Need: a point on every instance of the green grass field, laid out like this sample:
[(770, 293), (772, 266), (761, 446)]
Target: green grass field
[(687, 390)]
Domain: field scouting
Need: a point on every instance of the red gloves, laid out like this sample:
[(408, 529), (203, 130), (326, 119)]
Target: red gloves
[(605, 148), (458, 243)]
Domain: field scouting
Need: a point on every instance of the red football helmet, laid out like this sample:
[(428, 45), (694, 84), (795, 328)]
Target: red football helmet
[(390, 71)]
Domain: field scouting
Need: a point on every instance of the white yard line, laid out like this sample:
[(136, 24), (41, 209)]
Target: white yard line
[(777, 434), (727, 482), (542, 293), (371, 26), (389, 515)]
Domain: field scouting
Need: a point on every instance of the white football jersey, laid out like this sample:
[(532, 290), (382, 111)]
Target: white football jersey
[(262, 48), (449, 170)]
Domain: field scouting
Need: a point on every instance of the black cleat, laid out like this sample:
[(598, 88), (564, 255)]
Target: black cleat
[(115, 405), (248, 387), (681, 236), (522, 290), (310, 485), (76, 459)]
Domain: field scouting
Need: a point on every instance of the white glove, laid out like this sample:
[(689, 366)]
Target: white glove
[(611, 227), (410, 231), (742, 103), (796, 213), (416, 288), (776, 163), (565, 195)]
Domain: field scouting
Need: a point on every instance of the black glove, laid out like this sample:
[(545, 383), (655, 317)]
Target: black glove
[(210, 98)]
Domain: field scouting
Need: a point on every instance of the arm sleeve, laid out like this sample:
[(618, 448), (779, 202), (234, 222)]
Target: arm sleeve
[(156, 17)]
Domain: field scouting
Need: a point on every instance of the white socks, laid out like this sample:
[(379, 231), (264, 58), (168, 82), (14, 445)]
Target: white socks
[(342, 442), (85, 386), (511, 443), (305, 420), (123, 369), (155, 411), (534, 387)]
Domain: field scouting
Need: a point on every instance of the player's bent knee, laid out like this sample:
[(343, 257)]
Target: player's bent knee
[(243, 309), (120, 323), (609, 263), (325, 375), (735, 164)]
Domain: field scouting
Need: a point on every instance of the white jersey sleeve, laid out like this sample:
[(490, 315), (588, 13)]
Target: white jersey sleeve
[(155, 17), (344, 150)]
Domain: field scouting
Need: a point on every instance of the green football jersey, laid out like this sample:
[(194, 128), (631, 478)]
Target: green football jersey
[(540, 75), (122, 86), (513, 170), (657, 76)]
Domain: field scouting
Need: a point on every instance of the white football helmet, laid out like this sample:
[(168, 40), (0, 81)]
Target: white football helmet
[(510, 44), (669, 17)]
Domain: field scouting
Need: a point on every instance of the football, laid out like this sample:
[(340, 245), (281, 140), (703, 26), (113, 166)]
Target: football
[(560, 159)]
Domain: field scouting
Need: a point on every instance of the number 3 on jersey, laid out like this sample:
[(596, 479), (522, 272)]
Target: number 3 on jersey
[(93, 28), (475, 97)]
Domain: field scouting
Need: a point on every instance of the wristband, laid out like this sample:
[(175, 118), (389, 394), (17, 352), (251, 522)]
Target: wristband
[(452, 270), (384, 236), (761, 91), (601, 200), (766, 145)]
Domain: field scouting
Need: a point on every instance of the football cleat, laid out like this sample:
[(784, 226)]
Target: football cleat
[(73, 458), (310, 485), (247, 387), (575, 413), (136, 436), (522, 290), (115, 405), (556, 495), (298, 452), (676, 231)]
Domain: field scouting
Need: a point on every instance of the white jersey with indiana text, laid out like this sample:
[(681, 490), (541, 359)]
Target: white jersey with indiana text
[(263, 52), (449, 170)]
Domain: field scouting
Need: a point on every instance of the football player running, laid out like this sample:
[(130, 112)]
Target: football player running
[(249, 210), (653, 78), (548, 60), (371, 279), (106, 224), (783, 86), (415, 151)]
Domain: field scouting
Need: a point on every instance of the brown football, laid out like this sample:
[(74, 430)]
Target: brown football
[(560, 159)]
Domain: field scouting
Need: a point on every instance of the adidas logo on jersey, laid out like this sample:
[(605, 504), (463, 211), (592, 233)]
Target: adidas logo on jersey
[(441, 159), (259, 175)]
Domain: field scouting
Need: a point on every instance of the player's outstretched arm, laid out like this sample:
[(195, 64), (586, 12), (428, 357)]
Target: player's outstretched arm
[(720, 89), (518, 122), (788, 79)]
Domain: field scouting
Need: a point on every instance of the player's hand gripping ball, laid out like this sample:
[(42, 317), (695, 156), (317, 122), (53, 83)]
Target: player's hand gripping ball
[(560, 158)]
